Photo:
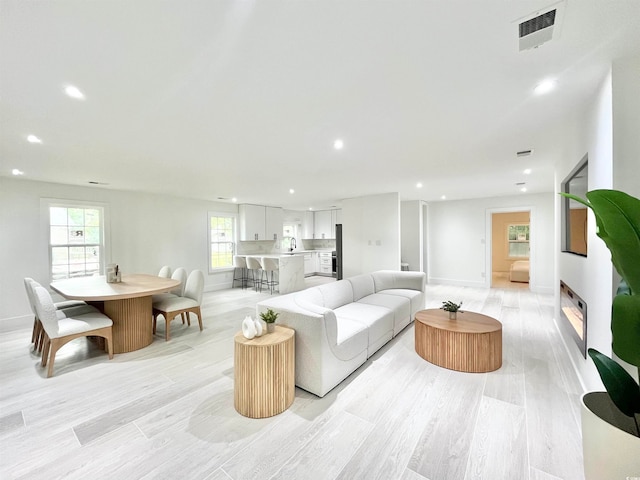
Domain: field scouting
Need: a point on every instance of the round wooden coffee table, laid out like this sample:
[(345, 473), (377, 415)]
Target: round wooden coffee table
[(472, 343), (264, 373)]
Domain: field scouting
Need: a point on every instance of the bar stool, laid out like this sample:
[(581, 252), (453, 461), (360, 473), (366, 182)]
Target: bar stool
[(254, 272), (239, 267), (269, 266)]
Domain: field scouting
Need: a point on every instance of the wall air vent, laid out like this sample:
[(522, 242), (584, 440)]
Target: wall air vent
[(524, 153), (540, 27)]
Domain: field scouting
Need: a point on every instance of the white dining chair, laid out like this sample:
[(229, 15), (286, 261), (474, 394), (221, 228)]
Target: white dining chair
[(165, 272), (190, 302), (59, 331), (64, 308), (270, 273), (254, 272)]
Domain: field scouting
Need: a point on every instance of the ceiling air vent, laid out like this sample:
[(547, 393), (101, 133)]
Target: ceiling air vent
[(540, 27), (524, 153)]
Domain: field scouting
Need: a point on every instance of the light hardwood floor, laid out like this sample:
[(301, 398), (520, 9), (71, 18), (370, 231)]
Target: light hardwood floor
[(167, 411)]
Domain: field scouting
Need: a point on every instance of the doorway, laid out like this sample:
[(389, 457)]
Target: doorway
[(510, 249)]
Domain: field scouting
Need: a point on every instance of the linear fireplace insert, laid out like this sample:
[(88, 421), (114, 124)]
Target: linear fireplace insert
[(573, 313)]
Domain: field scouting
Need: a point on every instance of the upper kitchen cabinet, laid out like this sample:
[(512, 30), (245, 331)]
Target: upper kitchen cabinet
[(307, 225), (258, 222), (322, 224), (274, 219)]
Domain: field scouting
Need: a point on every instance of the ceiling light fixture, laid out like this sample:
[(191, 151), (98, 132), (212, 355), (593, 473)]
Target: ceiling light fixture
[(443, 197), (338, 144), (545, 87), (15, 171), (234, 200), (523, 189), (292, 191), (527, 171), (74, 92), (419, 185), (33, 139)]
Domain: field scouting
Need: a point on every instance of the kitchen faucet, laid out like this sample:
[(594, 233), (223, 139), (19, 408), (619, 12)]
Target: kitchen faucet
[(292, 244)]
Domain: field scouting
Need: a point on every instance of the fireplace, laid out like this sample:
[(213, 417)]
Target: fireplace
[(573, 315)]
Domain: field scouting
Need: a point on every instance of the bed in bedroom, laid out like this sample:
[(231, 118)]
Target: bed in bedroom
[(519, 271)]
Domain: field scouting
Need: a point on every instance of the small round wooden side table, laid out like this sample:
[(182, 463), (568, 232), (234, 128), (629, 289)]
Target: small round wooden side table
[(264, 373), (472, 343)]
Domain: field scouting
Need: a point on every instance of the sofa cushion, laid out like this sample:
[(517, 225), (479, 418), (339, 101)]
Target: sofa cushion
[(336, 294), (352, 338), (416, 297), (387, 279), (377, 320), (362, 286), (399, 305)]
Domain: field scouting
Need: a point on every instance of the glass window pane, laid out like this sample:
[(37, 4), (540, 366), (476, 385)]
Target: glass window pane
[(92, 217), (76, 235), (76, 216), (58, 216), (76, 255), (92, 235), (59, 256), (519, 249), (58, 236)]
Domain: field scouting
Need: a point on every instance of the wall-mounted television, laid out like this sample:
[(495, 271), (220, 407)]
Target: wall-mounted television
[(574, 214)]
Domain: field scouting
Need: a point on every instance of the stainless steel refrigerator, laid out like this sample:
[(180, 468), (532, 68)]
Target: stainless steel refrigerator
[(338, 251)]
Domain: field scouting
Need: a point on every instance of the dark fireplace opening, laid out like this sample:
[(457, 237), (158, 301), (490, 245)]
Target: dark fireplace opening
[(573, 314)]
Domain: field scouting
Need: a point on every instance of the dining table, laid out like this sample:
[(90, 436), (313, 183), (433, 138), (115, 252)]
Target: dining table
[(128, 303)]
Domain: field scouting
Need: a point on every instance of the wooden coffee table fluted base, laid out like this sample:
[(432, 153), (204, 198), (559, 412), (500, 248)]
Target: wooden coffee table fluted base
[(264, 373), (472, 343)]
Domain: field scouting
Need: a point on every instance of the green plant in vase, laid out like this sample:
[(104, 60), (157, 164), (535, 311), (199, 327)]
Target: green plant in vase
[(452, 307), (269, 318)]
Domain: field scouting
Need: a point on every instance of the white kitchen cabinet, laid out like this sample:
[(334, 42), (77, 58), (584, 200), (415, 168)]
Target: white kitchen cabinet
[(310, 263), (322, 224), (258, 222), (307, 225), (274, 218), (325, 266)]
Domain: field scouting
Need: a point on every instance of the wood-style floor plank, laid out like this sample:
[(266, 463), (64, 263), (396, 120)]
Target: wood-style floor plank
[(166, 411)]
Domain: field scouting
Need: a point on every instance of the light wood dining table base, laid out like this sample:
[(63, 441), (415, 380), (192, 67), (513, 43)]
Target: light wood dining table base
[(132, 326)]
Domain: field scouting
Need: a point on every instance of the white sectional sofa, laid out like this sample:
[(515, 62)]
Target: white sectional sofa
[(339, 325)]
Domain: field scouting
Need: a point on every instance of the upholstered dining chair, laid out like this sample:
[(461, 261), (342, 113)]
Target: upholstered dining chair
[(59, 331), (165, 272), (189, 302), (179, 274), (72, 307)]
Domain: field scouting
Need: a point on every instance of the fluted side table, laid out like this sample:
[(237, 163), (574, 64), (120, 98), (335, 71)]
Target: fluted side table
[(264, 373)]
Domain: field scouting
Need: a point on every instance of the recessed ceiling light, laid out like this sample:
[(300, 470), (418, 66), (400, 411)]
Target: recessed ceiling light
[(310, 209), (234, 199), (443, 197), (33, 139), (523, 189), (15, 171), (292, 191), (74, 92), (338, 144), (545, 87), (419, 185), (527, 171)]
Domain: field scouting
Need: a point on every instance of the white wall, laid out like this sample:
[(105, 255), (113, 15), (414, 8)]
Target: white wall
[(591, 276), (411, 234), (146, 232), (458, 244), (371, 234)]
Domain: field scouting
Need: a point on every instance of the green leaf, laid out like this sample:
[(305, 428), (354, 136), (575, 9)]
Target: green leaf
[(618, 220), (625, 328), (621, 386)]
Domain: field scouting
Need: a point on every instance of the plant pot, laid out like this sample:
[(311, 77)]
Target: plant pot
[(610, 451), (271, 327), (453, 315)]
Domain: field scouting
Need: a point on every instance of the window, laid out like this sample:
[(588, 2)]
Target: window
[(518, 237), (76, 240), (222, 240)]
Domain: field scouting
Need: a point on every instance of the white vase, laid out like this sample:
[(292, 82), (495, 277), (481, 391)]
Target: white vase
[(259, 329), (609, 452), (248, 328)]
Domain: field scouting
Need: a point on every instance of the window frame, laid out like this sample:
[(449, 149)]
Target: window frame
[(47, 203), (210, 242)]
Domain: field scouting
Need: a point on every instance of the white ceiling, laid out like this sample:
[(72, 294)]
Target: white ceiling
[(219, 99)]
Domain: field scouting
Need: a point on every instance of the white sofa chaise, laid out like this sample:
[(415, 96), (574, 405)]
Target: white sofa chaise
[(339, 325)]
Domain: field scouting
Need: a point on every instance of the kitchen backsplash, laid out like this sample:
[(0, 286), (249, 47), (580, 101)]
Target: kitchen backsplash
[(319, 244), (270, 246)]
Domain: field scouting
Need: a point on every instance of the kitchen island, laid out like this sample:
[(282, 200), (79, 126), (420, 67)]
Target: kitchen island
[(290, 271)]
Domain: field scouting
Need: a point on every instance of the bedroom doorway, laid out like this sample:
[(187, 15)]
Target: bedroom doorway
[(510, 249)]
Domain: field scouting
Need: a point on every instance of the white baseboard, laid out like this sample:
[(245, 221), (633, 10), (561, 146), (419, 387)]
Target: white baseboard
[(456, 283), (15, 323)]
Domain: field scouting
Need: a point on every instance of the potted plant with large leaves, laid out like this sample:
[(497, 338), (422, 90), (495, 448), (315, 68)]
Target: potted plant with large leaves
[(611, 420)]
